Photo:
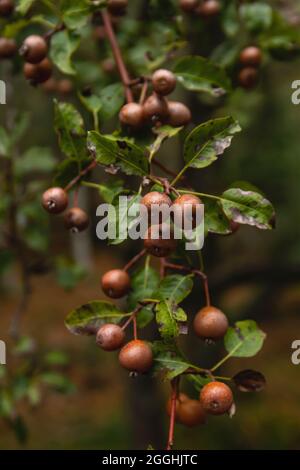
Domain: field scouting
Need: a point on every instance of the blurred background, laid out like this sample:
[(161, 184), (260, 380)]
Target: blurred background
[(253, 274)]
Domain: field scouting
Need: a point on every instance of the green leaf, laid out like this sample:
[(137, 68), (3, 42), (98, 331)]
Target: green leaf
[(110, 190), (6, 403), (174, 288), (245, 339), (75, 13), (256, 17), (163, 133), (198, 381), (36, 159), (248, 207), (111, 98), (69, 126), (20, 429), (144, 282), (230, 20), (209, 140), (119, 153), (11, 30), (68, 273), (25, 345), (214, 219), (63, 45), (87, 319), (34, 393), (168, 361), (196, 73), (57, 381), (92, 103), (24, 6), (57, 358), (167, 317), (126, 211)]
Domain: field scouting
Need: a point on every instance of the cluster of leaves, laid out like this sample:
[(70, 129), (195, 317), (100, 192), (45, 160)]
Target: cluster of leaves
[(31, 374)]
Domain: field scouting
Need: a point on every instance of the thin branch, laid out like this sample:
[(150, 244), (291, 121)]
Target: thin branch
[(117, 55), (174, 394), (82, 173), (134, 260)]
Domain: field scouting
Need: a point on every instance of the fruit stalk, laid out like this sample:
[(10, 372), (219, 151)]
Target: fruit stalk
[(118, 56), (174, 385)]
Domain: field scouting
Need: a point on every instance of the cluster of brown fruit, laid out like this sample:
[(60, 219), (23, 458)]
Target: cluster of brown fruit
[(250, 60), (8, 46), (63, 86), (215, 399), (37, 67), (203, 8), (210, 324), (55, 201), (164, 244), (156, 109), (135, 356)]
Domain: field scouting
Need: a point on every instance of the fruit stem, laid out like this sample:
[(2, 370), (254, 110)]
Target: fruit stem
[(134, 260), (228, 356), (143, 92), (174, 394), (117, 55), (135, 335), (82, 173)]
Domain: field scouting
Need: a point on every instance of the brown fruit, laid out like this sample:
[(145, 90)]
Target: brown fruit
[(251, 56), (209, 8), (117, 7), (64, 86), (50, 86), (8, 48), (163, 81), (210, 323), (155, 109), (136, 356), (191, 413), (76, 220), (248, 77), (34, 49), (216, 398), (6, 7), (110, 337), (185, 210), (179, 114), (55, 200), (182, 397), (116, 283), (131, 114), (188, 5), (38, 73), (159, 240), (154, 202)]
